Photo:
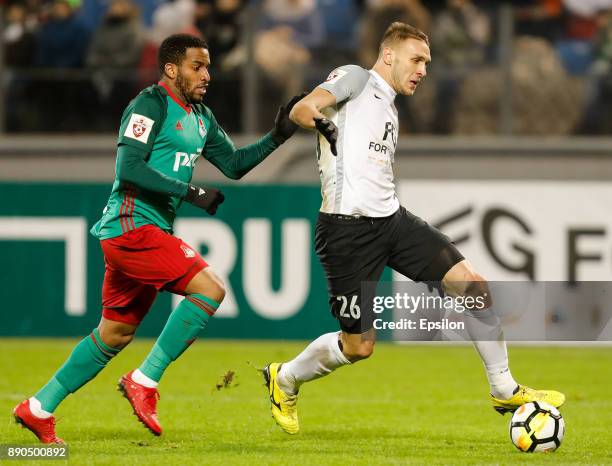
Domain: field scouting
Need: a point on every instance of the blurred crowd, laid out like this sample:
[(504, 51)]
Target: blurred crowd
[(62, 56)]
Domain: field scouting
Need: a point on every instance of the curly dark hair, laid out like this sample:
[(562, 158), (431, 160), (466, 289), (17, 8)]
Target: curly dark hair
[(174, 47)]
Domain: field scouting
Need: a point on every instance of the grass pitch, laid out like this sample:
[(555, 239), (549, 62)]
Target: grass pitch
[(405, 405)]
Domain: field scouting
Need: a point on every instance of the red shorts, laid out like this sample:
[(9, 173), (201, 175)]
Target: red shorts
[(139, 263)]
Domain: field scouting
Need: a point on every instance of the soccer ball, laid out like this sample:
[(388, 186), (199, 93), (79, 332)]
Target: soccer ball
[(537, 426)]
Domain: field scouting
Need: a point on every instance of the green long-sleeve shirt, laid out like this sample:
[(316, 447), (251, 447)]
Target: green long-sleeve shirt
[(160, 140)]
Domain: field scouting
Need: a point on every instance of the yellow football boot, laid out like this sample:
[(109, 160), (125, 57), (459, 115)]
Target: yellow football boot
[(284, 409), (525, 395)]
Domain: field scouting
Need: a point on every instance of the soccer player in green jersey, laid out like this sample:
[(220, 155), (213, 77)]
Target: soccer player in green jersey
[(163, 132)]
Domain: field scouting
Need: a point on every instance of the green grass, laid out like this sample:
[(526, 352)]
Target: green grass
[(406, 405)]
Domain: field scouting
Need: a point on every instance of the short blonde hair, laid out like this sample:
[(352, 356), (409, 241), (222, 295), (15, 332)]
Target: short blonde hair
[(398, 32)]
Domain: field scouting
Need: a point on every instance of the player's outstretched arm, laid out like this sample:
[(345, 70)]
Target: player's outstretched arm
[(235, 163), (133, 169)]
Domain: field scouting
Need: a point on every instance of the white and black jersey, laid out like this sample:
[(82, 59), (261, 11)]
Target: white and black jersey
[(361, 228), (359, 180)]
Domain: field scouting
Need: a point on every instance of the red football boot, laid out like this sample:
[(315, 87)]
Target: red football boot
[(44, 429), (143, 400)]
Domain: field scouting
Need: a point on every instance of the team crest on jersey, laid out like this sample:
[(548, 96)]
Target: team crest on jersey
[(201, 127), (139, 128), (188, 251), (335, 76)]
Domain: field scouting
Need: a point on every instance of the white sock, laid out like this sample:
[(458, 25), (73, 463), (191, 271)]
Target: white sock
[(141, 379), (320, 358), (36, 409), (484, 327)]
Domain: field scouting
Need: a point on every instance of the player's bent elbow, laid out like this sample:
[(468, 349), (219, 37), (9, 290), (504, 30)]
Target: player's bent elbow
[(233, 175), (127, 174), (126, 180), (129, 166), (124, 172)]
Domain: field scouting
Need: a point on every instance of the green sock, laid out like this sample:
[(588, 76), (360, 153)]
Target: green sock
[(183, 327), (88, 358)]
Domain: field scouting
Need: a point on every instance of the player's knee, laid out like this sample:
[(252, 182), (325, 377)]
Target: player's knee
[(117, 339), (123, 340), (217, 291), (209, 285), (214, 290), (470, 286), (477, 289), (116, 334), (359, 351)]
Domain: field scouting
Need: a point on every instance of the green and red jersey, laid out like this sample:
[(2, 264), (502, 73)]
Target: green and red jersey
[(160, 140)]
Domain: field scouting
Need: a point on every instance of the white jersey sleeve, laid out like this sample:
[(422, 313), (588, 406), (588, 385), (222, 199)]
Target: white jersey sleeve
[(346, 82)]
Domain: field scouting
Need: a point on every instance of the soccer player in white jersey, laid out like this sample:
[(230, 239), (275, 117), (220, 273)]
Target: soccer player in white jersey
[(362, 228)]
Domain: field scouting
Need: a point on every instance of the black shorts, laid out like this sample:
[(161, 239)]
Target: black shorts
[(356, 250)]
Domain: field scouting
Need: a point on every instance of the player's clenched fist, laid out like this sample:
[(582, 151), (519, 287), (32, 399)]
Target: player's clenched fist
[(329, 131), (207, 199)]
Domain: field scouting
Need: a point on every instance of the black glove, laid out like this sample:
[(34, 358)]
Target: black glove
[(283, 126), (329, 131), (207, 199)]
